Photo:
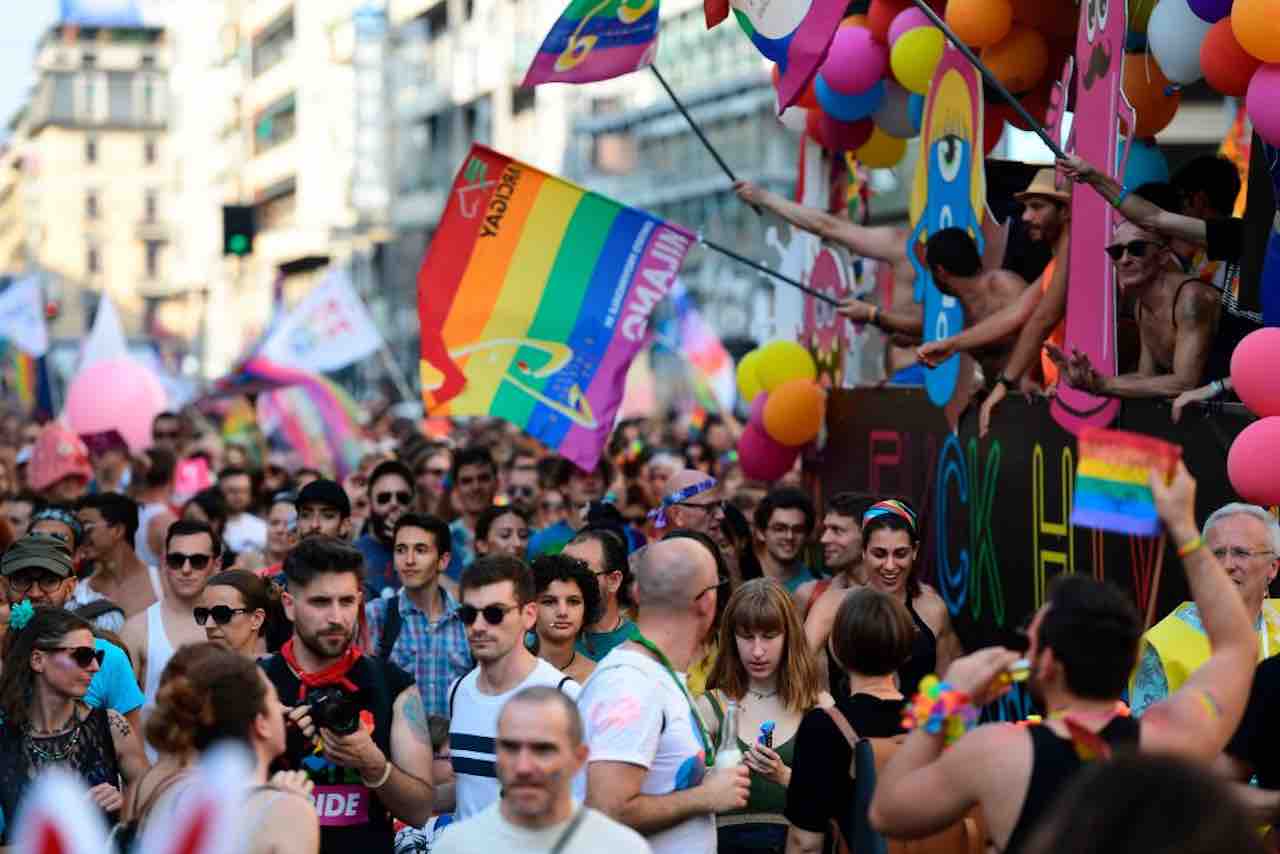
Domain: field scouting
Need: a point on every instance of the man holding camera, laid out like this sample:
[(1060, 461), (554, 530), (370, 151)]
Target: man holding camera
[(358, 726)]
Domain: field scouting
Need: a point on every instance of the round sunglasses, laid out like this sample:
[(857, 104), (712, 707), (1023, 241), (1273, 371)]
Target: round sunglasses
[(221, 614), (493, 614)]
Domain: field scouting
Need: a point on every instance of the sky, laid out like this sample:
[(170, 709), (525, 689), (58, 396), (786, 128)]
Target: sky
[(24, 23)]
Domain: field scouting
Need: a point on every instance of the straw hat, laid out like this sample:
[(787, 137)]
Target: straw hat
[(1043, 184)]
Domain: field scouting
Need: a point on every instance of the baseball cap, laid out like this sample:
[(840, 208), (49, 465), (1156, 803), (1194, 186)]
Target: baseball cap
[(326, 492), (37, 551)]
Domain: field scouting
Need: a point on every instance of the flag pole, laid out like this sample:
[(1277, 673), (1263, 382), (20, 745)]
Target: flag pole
[(724, 167), (782, 277), (991, 80)]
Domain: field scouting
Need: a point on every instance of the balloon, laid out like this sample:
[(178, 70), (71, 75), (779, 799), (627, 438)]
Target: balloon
[(980, 23), (894, 115), (761, 457), (1263, 103), (1211, 10), (914, 57), (1227, 66), (1257, 27), (907, 20), (748, 377), (993, 120), (1252, 365), (784, 360), (1145, 87), (1253, 463), (916, 104), (1174, 36), (848, 108), (881, 14), (1020, 60), (794, 412), (881, 151), (1146, 164), (1048, 16), (116, 394), (855, 61), (757, 409), (835, 135)]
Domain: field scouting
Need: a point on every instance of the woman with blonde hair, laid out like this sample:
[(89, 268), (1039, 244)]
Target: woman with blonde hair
[(764, 666)]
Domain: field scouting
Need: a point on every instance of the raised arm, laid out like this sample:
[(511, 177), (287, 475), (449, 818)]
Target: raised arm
[(1135, 208), (1198, 719), (884, 243)]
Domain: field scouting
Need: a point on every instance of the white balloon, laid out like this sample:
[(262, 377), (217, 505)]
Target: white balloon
[(1175, 34), (793, 118), (894, 115)]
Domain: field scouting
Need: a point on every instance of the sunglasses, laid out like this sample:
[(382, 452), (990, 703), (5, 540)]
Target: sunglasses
[(400, 497), (83, 656), (221, 614), (493, 614), (176, 560), (1136, 248)]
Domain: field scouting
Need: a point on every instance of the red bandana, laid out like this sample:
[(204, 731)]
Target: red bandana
[(334, 674)]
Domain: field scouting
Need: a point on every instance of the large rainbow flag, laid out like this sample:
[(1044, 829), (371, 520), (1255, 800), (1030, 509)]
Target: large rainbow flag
[(534, 297), (596, 40), (1113, 486)]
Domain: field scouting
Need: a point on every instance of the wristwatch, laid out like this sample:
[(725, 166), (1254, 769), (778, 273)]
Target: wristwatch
[(1004, 381)]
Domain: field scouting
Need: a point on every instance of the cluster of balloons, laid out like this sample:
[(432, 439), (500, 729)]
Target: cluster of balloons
[(787, 408), (1233, 44), (1253, 463)]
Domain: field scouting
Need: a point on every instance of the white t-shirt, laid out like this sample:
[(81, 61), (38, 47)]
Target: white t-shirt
[(244, 532), (633, 712), (489, 831), (473, 728)]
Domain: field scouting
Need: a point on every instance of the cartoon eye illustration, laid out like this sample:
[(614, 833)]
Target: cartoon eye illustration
[(950, 153), (1104, 6), (1091, 20)]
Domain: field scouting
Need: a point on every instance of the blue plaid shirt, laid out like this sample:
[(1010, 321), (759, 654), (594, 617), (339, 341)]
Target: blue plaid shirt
[(435, 653)]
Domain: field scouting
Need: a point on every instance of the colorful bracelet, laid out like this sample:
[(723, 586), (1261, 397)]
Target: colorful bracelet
[(1191, 546), (1120, 196), (939, 708)]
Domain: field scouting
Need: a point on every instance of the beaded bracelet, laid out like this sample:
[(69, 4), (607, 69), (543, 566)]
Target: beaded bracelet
[(939, 708)]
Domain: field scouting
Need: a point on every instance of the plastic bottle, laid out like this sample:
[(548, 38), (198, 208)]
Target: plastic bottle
[(728, 754)]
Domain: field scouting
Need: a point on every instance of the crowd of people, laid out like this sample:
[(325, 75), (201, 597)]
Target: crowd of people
[(470, 641)]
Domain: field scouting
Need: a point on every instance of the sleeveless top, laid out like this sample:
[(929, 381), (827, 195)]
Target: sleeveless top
[(924, 656), (766, 796), (1053, 763), (86, 749), (140, 546)]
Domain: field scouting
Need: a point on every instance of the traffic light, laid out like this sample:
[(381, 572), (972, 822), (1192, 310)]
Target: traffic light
[(239, 225)]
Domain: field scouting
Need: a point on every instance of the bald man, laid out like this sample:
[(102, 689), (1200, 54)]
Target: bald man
[(693, 501), (648, 748)]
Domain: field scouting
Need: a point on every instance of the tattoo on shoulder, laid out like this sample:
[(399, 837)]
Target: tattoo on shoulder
[(416, 716), (119, 725)]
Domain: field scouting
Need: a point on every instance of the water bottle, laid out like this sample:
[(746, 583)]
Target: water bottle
[(728, 754)]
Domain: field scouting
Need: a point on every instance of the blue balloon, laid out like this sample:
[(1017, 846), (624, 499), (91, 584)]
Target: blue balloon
[(915, 105), (1146, 164), (848, 108)]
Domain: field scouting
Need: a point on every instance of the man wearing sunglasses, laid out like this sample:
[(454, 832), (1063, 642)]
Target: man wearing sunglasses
[(498, 609), (390, 497), (520, 480)]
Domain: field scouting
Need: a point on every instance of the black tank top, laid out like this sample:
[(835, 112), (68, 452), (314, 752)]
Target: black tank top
[(1053, 763), (86, 749), (924, 656)]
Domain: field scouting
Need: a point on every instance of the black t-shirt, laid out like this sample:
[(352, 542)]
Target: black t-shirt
[(1257, 741), (1224, 239), (352, 818), (821, 788)]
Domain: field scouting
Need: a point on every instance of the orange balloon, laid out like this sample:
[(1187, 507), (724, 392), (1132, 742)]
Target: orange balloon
[(1227, 66), (881, 14), (1257, 27), (980, 23), (1145, 88), (794, 411), (1020, 60)]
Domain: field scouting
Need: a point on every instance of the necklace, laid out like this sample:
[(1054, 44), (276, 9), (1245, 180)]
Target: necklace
[(762, 695), (41, 755), (572, 659)]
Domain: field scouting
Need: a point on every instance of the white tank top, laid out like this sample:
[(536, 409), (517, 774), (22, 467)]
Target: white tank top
[(145, 515), (159, 651)]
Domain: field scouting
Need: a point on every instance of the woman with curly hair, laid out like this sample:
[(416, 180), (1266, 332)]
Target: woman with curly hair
[(568, 600)]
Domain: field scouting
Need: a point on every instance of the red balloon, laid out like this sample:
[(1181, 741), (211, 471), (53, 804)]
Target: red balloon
[(1227, 66), (761, 457), (1253, 463), (808, 98), (1252, 363)]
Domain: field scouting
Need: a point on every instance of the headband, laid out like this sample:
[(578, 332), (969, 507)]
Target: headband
[(892, 507), (66, 517), (659, 514)]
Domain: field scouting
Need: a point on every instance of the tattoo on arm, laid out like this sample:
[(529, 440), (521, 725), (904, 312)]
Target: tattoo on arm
[(416, 716), (119, 725)]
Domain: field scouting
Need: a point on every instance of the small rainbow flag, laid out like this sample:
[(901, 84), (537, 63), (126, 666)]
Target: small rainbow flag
[(795, 34), (597, 40), (1113, 491), (534, 297)]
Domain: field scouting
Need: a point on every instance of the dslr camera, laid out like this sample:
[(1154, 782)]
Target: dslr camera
[(333, 709)]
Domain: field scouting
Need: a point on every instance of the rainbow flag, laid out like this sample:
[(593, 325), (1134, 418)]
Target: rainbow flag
[(596, 40), (534, 297), (793, 33), (1113, 491), (710, 365)]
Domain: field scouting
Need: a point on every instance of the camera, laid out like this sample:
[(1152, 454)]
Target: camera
[(333, 709)]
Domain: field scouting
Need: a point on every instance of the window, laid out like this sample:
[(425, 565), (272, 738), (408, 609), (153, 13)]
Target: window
[(92, 263), (150, 101), (62, 106), (153, 249), (90, 149), (273, 44), (149, 151), (119, 97), (88, 95), (277, 205), (275, 125), (150, 206), (91, 204)]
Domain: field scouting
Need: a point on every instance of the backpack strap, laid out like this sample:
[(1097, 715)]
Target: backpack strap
[(391, 625), (850, 735), (97, 608), (453, 692)]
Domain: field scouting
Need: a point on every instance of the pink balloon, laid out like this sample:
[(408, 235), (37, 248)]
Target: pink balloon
[(761, 457), (1253, 463), (757, 409), (855, 61), (1263, 102), (1252, 362), (116, 394), (906, 20)]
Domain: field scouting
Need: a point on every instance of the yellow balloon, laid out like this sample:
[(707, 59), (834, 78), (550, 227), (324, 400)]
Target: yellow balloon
[(881, 151), (781, 361), (748, 377), (915, 56)]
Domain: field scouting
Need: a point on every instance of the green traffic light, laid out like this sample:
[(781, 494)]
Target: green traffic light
[(238, 244)]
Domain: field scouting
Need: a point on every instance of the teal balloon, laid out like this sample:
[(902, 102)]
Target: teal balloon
[(1146, 164), (916, 106)]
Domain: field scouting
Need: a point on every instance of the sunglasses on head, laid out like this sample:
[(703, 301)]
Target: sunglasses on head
[(400, 497), (1136, 248), (83, 656), (493, 614), (221, 614), (176, 560)]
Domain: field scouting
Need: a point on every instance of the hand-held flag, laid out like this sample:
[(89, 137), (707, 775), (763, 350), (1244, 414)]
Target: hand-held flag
[(597, 40), (1113, 491)]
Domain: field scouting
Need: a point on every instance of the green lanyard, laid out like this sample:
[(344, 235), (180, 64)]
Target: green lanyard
[(707, 750)]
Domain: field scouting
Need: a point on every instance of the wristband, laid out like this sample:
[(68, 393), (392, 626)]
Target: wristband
[(381, 781), (1216, 388), (875, 316), (1120, 196), (1004, 381), (1191, 546), (939, 708)]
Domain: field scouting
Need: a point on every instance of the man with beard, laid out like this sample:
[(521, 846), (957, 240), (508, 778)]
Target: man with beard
[(372, 761), (390, 496), (324, 509), (1083, 645), (784, 520), (475, 483), (842, 555), (539, 750)]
